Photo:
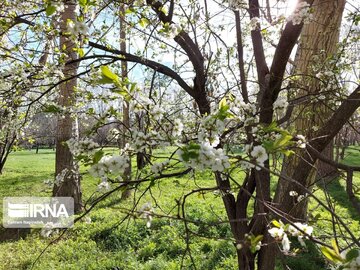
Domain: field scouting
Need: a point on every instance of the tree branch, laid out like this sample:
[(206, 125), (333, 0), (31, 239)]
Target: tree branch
[(123, 56)]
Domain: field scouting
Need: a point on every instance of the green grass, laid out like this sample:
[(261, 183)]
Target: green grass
[(107, 242)]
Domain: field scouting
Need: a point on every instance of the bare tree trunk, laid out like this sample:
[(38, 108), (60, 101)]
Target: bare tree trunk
[(126, 112), (318, 42), (65, 166)]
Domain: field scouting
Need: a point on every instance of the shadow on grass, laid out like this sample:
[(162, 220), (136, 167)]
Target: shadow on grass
[(339, 195), (24, 185)]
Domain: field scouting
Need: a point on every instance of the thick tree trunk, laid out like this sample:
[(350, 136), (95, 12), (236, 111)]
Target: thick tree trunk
[(69, 185), (318, 42)]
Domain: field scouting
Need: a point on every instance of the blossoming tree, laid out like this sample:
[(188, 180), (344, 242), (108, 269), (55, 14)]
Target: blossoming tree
[(210, 82)]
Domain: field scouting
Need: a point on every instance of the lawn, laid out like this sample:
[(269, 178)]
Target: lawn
[(108, 241)]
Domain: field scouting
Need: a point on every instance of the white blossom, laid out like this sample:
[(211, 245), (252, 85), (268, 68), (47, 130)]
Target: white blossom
[(178, 127), (300, 198), (82, 147), (285, 242), (174, 30), (97, 170), (276, 233), (59, 6), (77, 28), (298, 229), (156, 168), (259, 153), (157, 112), (280, 103), (301, 14), (47, 230), (145, 212), (104, 185), (301, 141), (246, 165), (237, 4), (255, 23), (208, 157)]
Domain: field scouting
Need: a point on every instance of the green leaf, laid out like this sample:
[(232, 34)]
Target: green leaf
[(106, 72), (83, 3), (52, 109), (129, 11), (351, 255), (50, 10), (276, 223), (194, 146), (222, 103), (335, 247), (283, 141), (287, 152), (97, 156), (256, 239), (81, 52), (105, 80), (132, 87), (331, 255), (144, 22)]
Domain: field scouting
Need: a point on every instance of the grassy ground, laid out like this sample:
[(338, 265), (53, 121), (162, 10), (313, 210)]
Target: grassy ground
[(109, 243)]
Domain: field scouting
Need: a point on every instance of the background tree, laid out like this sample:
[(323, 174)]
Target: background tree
[(317, 47), (67, 175)]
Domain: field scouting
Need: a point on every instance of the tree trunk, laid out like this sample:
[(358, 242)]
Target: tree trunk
[(126, 112), (65, 166), (318, 42)]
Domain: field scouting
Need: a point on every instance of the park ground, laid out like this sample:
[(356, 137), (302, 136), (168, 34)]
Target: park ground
[(106, 240)]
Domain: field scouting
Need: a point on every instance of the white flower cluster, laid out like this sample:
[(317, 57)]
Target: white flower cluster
[(245, 112), (177, 128), (104, 185), (241, 108), (210, 129), (157, 112), (301, 14), (301, 141), (299, 230), (114, 133), (258, 153), (174, 29), (255, 23), (48, 230), (49, 182), (139, 103), (237, 4), (170, 30), (157, 167), (77, 28), (82, 147), (140, 140), (145, 212), (110, 164), (59, 5), (280, 103), (208, 157)]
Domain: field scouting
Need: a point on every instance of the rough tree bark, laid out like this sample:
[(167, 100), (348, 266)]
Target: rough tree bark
[(317, 43), (64, 161), (323, 137)]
